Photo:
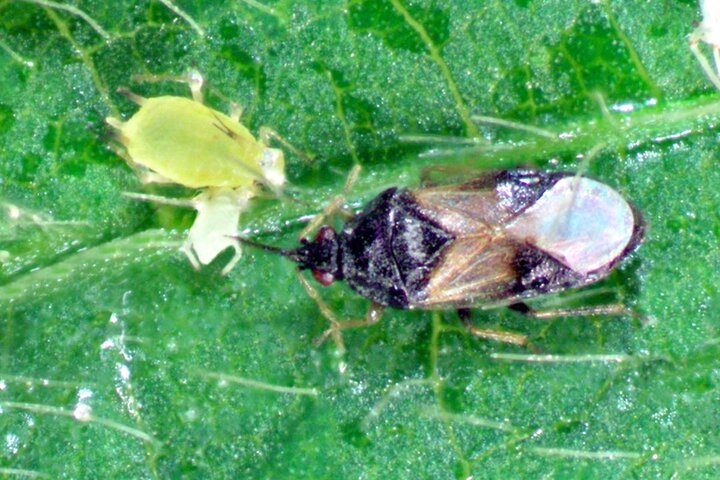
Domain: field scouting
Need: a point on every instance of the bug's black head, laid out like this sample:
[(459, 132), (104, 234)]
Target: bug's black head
[(320, 256)]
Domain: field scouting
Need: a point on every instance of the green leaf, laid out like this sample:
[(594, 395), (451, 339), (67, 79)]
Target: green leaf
[(118, 360)]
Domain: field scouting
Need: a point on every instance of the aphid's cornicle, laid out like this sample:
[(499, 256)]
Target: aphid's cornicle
[(179, 140), (498, 239)]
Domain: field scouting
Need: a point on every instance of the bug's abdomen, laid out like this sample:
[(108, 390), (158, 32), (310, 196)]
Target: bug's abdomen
[(388, 251)]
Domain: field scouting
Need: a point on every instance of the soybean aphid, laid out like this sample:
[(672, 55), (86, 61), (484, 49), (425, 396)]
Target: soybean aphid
[(708, 31), (178, 140), (496, 240)]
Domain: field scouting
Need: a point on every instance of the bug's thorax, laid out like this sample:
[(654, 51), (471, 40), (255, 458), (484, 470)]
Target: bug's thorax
[(321, 256)]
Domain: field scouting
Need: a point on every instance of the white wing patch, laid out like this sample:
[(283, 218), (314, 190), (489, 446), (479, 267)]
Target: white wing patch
[(580, 222)]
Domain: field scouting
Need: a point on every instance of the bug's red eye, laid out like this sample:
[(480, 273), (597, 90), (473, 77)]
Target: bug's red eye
[(323, 278), (325, 233)]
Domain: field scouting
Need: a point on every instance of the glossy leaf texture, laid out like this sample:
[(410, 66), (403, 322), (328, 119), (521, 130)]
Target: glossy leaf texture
[(118, 360)]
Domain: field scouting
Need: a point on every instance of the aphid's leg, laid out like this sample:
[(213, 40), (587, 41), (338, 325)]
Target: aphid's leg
[(178, 202), (146, 176), (190, 254), (236, 111), (196, 81), (694, 43), (336, 326), (234, 260), (267, 134), (122, 153), (716, 57), (192, 78), (133, 97), (334, 205), (495, 335), (186, 247), (116, 132)]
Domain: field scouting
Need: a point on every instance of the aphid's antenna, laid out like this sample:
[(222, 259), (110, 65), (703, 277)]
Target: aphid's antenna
[(193, 79)]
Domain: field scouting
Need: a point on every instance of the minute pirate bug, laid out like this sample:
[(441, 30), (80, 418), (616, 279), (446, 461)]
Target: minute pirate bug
[(496, 240)]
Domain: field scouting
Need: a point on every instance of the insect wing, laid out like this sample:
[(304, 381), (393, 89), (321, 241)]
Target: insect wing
[(476, 267), (521, 234), (581, 222)]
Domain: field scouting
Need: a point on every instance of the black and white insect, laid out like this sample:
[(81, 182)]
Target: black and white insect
[(496, 240)]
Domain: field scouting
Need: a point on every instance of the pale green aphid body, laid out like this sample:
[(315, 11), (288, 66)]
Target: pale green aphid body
[(180, 140)]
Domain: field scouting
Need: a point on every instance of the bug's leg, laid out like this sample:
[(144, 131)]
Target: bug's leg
[(495, 335), (334, 205), (334, 330), (597, 311), (268, 134), (234, 260), (336, 326), (372, 317), (702, 59)]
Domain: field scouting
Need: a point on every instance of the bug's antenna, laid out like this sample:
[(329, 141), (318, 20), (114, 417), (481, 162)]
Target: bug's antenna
[(292, 254)]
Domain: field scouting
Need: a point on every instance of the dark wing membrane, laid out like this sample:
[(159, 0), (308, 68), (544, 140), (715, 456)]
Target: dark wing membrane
[(488, 200), (474, 270), (463, 210)]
